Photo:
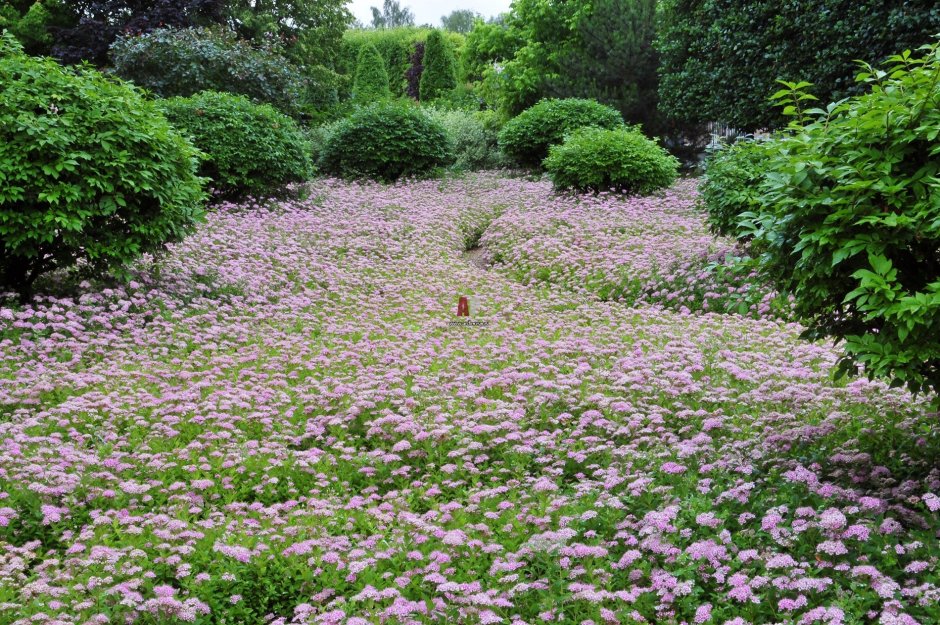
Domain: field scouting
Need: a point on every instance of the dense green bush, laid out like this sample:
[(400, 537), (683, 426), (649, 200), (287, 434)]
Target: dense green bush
[(851, 220), (371, 81), (474, 135), (439, 77), (720, 60), (731, 184), (386, 141), (250, 148), (173, 62), (598, 159), (89, 171), (527, 137)]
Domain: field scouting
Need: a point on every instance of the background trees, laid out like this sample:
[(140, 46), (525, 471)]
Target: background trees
[(601, 49), (95, 24), (460, 21), (309, 30), (392, 15)]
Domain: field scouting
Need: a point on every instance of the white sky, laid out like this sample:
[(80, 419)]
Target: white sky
[(430, 11)]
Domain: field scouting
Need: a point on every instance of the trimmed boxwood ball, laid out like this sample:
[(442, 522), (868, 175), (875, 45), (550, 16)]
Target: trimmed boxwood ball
[(251, 149), (386, 141), (527, 137), (597, 159), (90, 171)]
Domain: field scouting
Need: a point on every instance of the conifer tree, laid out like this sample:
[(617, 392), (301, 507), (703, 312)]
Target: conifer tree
[(440, 74), (371, 80)]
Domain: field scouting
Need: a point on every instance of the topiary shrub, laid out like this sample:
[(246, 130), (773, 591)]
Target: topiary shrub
[(250, 148), (172, 62), (371, 81), (850, 222), (731, 184), (474, 137), (527, 137), (439, 77), (386, 141), (597, 159), (90, 171)]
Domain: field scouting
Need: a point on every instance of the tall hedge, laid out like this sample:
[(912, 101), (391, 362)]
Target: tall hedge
[(371, 81), (396, 46), (439, 77), (720, 59)]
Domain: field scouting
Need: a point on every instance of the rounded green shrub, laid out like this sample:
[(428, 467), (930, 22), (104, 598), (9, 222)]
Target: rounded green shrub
[(371, 81), (731, 183), (850, 220), (90, 171), (439, 77), (250, 148), (181, 62), (386, 141), (527, 137), (597, 159), (474, 136)]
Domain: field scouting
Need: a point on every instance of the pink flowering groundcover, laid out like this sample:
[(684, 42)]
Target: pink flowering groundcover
[(278, 423)]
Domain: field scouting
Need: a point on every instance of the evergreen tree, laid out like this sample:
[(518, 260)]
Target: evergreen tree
[(440, 74), (371, 80), (612, 60)]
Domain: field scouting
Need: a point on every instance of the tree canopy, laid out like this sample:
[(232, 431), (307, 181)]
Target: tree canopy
[(392, 15)]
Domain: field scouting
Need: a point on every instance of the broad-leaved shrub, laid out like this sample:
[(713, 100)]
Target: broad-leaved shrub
[(527, 137), (386, 141), (250, 148), (851, 219), (182, 62), (731, 184), (623, 159), (90, 171), (474, 135)]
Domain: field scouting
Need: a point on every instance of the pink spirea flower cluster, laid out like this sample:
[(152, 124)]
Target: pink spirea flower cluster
[(278, 423)]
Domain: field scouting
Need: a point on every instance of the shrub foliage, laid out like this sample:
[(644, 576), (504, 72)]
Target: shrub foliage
[(474, 135), (851, 219), (385, 141), (89, 171), (622, 159), (731, 186), (183, 62), (527, 137), (250, 148)]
